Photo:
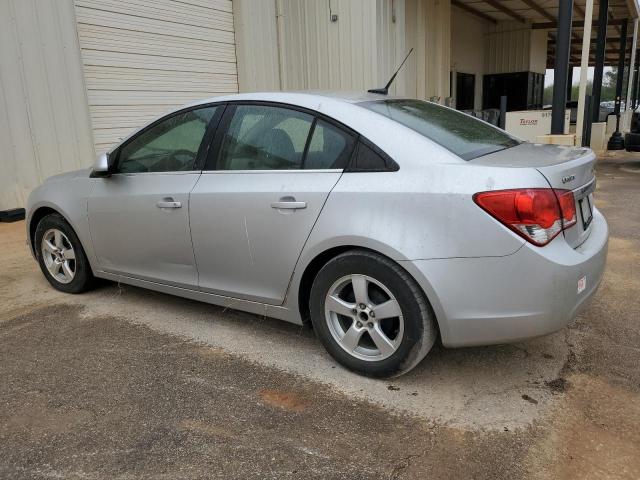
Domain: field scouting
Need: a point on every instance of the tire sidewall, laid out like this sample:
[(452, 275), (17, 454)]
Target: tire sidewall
[(367, 264), (83, 272)]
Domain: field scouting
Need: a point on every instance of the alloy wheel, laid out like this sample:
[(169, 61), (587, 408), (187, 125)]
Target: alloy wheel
[(364, 317), (58, 255)]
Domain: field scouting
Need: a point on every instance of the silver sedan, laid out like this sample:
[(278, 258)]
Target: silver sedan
[(383, 222)]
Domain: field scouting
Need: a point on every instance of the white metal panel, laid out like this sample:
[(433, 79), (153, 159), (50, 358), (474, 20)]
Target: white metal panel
[(391, 44), (294, 44), (538, 51), (256, 45), (316, 52), (144, 57), (508, 48), (428, 30), (44, 119), (467, 48), (291, 44)]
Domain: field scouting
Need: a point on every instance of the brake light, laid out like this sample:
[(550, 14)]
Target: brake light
[(536, 214)]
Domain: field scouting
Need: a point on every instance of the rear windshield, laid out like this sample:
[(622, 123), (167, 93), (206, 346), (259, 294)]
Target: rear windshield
[(458, 132)]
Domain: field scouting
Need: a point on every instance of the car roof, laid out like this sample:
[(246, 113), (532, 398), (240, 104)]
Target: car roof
[(301, 98)]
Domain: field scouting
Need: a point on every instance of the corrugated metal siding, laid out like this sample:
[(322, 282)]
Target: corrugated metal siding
[(538, 51), (318, 53), (144, 57), (44, 120), (428, 30), (507, 48), (293, 44), (256, 45), (468, 34), (391, 44)]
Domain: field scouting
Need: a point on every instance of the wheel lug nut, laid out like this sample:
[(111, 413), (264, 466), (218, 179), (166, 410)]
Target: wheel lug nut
[(372, 314), (359, 324), (354, 311), (362, 306), (370, 324)]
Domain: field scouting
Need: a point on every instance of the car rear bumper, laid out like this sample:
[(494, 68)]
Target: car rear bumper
[(532, 292)]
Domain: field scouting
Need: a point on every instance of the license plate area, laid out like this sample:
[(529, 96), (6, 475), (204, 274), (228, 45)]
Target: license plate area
[(585, 205)]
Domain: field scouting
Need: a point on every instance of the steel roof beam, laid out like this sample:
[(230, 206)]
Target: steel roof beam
[(473, 11)]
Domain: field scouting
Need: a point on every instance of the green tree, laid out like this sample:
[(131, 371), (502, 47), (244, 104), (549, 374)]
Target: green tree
[(607, 93), (609, 85)]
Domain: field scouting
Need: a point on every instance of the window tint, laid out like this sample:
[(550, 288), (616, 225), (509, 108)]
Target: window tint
[(170, 145), (265, 138), (367, 159), (329, 147), (460, 133)]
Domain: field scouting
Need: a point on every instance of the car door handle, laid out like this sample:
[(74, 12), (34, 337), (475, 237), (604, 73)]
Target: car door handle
[(167, 203), (289, 205)]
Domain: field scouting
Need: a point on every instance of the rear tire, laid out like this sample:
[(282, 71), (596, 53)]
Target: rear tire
[(61, 256), (371, 315)]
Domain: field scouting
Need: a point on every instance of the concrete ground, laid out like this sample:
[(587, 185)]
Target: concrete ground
[(125, 383)]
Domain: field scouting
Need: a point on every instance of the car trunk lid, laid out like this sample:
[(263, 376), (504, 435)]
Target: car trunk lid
[(566, 168)]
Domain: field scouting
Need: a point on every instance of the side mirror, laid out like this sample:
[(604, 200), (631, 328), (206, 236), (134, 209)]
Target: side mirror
[(102, 166)]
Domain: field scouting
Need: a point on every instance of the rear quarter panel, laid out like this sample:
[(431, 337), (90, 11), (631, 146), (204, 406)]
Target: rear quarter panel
[(423, 211)]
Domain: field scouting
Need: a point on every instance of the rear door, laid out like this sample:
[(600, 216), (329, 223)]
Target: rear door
[(256, 203), (139, 216)]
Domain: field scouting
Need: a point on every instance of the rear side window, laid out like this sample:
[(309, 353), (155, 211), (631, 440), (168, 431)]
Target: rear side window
[(329, 147), (265, 138), (459, 133), (367, 159)]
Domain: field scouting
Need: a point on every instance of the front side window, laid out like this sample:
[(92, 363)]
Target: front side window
[(168, 146), (265, 138), (459, 133)]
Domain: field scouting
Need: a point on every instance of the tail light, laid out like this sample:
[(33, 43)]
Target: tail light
[(537, 214)]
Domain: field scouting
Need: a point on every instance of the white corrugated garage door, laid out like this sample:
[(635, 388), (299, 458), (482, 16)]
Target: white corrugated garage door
[(143, 57)]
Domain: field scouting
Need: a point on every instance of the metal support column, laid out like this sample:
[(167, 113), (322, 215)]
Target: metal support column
[(583, 118), (603, 14), (636, 82), (631, 78), (616, 142), (561, 70)]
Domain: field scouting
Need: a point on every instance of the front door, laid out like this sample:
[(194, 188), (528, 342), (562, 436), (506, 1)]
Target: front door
[(139, 217), (252, 214)]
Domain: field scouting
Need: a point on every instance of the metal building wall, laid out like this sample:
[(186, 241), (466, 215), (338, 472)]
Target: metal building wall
[(317, 53), (294, 45), (44, 120), (142, 58), (428, 30), (467, 48), (514, 47), (256, 45), (391, 44)]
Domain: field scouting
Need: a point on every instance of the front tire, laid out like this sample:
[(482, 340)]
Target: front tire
[(61, 256), (370, 315)]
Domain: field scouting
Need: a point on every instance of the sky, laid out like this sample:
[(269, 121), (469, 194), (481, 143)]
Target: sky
[(548, 76)]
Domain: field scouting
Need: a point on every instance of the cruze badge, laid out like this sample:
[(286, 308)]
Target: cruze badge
[(568, 178)]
